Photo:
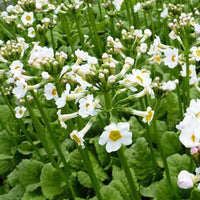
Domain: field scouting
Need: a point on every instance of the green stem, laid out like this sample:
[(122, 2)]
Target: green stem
[(99, 7), (187, 69), (79, 29), (96, 37), (44, 117), (52, 40), (160, 148), (90, 170), (112, 26), (132, 186), (66, 29), (152, 25), (128, 12)]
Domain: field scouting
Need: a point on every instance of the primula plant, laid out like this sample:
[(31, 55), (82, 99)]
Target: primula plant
[(100, 100)]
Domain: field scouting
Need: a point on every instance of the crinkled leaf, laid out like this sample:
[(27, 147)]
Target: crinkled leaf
[(108, 192), (103, 156), (139, 157), (84, 179), (51, 182), (170, 143), (150, 190), (29, 171), (25, 148), (179, 162), (120, 188), (75, 160), (98, 170), (173, 113), (33, 196)]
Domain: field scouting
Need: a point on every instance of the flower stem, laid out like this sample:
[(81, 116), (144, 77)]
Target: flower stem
[(66, 29), (99, 7), (44, 117), (90, 170), (160, 148), (52, 40), (128, 12), (96, 37), (133, 189)]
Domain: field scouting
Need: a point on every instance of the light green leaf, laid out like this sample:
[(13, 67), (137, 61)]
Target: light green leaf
[(33, 196), (120, 188), (108, 192), (29, 172), (139, 157), (51, 182), (179, 162), (150, 190), (170, 143), (75, 160), (84, 179), (195, 194)]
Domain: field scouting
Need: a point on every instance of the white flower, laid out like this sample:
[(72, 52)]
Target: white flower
[(143, 48), (192, 70), (27, 18), (65, 117), (190, 135), (164, 13), (31, 32), (60, 102), (196, 53), (50, 91), (137, 7), (117, 4), (20, 89), (81, 55), (147, 115), (173, 35), (170, 85), (185, 179), (194, 108), (16, 68), (19, 112), (171, 59), (87, 107), (141, 77), (78, 135), (45, 75), (115, 135), (40, 3)]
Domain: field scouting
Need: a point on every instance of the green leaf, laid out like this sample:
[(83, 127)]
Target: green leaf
[(103, 156), (170, 143), (173, 114), (51, 182), (75, 160), (195, 194), (120, 188), (84, 179), (33, 196), (29, 172), (108, 192), (25, 148), (139, 157), (150, 190), (179, 162), (13, 177), (15, 193), (98, 170)]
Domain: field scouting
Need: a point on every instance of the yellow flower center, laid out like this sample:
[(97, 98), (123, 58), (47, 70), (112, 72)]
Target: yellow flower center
[(86, 105), (24, 86), (20, 112), (115, 135), (28, 18), (198, 53), (17, 67), (190, 71), (140, 79), (158, 59), (149, 116), (54, 92), (193, 137), (173, 58), (32, 32), (76, 138)]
